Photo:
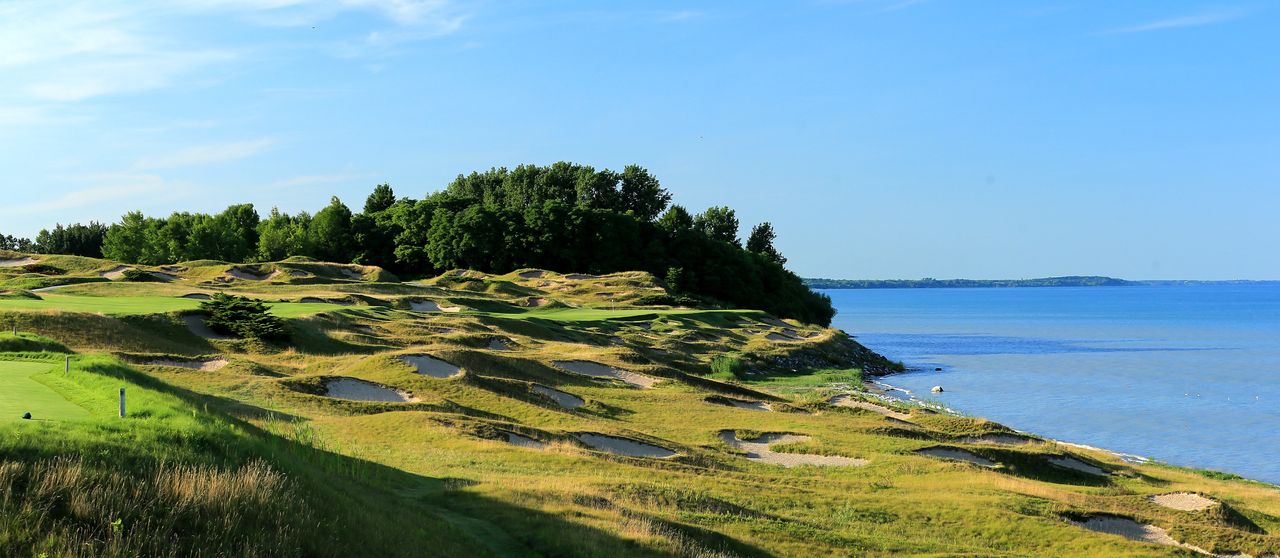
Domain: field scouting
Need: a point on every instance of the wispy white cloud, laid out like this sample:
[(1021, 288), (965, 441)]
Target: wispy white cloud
[(75, 50), (58, 50), (35, 32), (307, 12), (206, 154), (80, 81), (107, 188), (1198, 20), (29, 115)]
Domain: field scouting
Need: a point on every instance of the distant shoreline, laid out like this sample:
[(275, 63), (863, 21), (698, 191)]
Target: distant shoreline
[(930, 283), (1044, 282)]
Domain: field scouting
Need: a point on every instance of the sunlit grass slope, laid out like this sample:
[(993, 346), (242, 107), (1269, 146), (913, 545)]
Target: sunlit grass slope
[(528, 414)]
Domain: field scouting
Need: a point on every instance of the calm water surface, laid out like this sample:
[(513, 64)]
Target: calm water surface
[(1184, 374)]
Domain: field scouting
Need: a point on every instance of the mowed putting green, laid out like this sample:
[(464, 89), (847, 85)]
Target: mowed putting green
[(134, 305), (21, 393)]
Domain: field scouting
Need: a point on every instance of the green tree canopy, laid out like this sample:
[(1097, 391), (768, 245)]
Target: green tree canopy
[(126, 240), (243, 317), (761, 242), (330, 234), (676, 220), (718, 223), (564, 217), (642, 194), (380, 200), (75, 239)]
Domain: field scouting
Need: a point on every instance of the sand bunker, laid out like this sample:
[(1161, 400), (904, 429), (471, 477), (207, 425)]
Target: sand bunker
[(431, 306), (579, 276), (196, 296), (537, 274), (1134, 531), (53, 288), (955, 454), (114, 273), (999, 438), (779, 337), (535, 302), (852, 403), (758, 450), (312, 300), (597, 370), (209, 365), (351, 273), (564, 399), (17, 263), (624, 446), (1128, 529), (1068, 462), (245, 275), (1185, 501), (360, 390), (195, 323), (431, 366), (750, 405), (166, 277), (499, 345), (775, 322), (523, 441)]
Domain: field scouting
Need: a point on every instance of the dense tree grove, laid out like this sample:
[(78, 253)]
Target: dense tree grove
[(562, 217), (75, 239), (10, 242)]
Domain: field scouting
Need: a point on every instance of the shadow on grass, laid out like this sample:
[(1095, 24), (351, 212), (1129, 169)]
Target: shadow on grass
[(1036, 467), (375, 509)]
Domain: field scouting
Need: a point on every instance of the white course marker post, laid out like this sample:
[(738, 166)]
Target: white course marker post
[(67, 371), (121, 402)]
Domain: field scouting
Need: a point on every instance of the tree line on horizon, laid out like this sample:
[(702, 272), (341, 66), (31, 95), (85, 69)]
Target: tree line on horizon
[(931, 283), (562, 217)]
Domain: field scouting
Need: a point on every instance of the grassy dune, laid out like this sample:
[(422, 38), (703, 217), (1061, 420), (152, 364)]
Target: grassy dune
[(254, 459)]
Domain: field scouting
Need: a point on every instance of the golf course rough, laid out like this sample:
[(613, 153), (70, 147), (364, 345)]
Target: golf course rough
[(592, 425)]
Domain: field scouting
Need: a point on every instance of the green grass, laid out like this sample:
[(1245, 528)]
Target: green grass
[(27, 342), (22, 392), (139, 305), (806, 380), (250, 460)]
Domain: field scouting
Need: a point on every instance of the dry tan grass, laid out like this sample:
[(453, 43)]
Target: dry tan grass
[(247, 510)]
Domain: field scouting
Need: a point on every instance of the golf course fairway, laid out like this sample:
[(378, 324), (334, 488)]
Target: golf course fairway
[(21, 393)]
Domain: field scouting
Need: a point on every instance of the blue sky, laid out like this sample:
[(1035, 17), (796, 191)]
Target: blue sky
[(883, 138)]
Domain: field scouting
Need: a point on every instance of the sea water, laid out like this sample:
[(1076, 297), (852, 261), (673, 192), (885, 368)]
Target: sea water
[(1186, 374)]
